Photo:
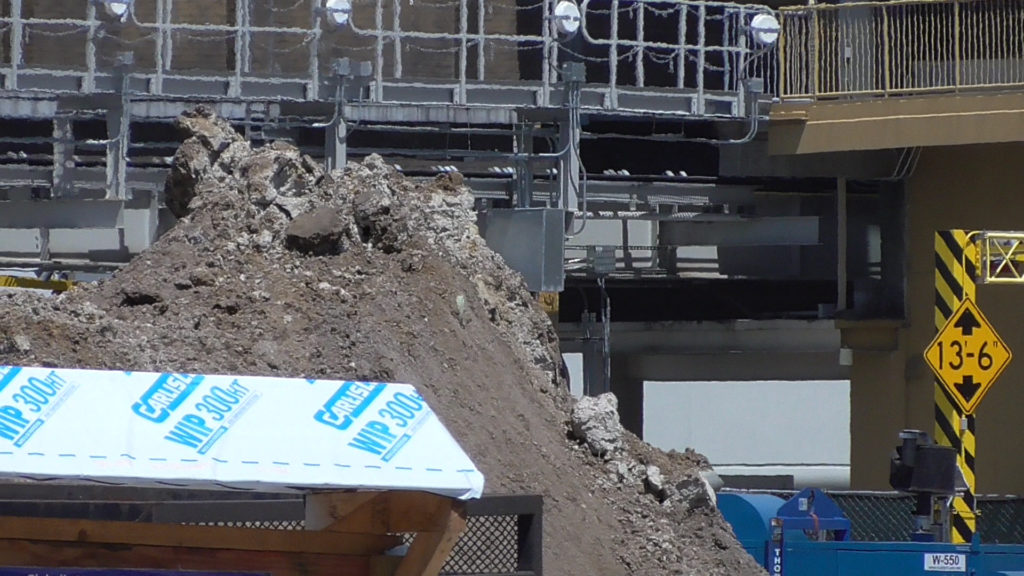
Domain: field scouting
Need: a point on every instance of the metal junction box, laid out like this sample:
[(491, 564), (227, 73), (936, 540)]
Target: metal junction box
[(532, 242)]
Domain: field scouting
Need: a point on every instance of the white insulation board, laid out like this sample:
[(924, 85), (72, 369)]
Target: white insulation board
[(241, 432)]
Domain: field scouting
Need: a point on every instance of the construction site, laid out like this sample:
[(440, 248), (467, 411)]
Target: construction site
[(512, 287)]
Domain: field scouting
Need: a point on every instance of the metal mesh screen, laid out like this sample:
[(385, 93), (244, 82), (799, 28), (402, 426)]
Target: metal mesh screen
[(1002, 520), (488, 546), (878, 517), (888, 517)]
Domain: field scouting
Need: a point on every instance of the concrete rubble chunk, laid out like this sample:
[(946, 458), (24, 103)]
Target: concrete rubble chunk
[(695, 492), (654, 482), (207, 137), (595, 421), (317, 233)]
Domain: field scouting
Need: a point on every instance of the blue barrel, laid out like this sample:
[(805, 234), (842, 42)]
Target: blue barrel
[(750, 516)]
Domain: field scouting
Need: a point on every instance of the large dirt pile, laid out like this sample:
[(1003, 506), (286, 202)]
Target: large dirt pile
[(276, 268)]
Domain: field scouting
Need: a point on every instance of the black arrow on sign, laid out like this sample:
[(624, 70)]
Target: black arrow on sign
[(968, 388), (967, 322)]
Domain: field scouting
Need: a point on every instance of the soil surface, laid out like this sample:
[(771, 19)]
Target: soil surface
[(276, 268)]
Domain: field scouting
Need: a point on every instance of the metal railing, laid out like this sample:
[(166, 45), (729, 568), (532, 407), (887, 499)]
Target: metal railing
[(628, 47), (901, 47), (698, 45)]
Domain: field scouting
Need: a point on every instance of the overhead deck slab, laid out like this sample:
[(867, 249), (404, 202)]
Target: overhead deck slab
[(807, 127)]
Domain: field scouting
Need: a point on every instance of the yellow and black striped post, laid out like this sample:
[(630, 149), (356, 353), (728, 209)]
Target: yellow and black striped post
[(955, 274)]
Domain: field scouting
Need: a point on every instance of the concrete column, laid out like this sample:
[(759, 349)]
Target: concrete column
[(336, 144), (569, 167), (878, 403), (524, 170), (63, 154), (119, 131), (117, 152), (629, 389), (594, 382), (841, 247)]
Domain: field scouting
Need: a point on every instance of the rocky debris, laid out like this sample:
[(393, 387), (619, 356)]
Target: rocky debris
[(654, 483), (695, 492), (196, 162), (595, 421), (139, 297), (14, 343), (321, 232), (276, 268)]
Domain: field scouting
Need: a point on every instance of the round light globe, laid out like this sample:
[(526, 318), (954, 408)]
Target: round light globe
[(339, 11), (567, 18), (765, 28)]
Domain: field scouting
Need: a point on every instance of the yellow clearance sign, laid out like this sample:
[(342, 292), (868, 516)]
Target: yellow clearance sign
[(967, 356)]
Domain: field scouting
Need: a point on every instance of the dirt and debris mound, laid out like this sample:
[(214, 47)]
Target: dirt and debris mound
[(277, 268)]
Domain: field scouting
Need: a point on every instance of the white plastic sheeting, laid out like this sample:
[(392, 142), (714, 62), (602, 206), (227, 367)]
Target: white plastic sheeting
[(226, 431)]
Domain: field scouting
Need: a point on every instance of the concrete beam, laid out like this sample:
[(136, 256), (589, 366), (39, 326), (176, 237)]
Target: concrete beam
[(752, 160), (942, 120), (87, 243), (21, 243), (871, 335), (68, 213), (739, 365), (774, 336), (736, 231)]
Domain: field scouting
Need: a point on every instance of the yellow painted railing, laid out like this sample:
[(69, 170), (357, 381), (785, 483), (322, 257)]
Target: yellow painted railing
[(901, 47)]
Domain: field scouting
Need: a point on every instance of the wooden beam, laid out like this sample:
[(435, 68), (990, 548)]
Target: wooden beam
[(429, 550), (177, 535), (381, 513), (323, 510), (81, 555)]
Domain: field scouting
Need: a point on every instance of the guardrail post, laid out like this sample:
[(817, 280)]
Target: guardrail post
[(956, 45), (241, 46), (396, 27), (378, 65), (460, 95), (89, 82), (885, 52), (481, 38), (313, 88), (702, 13), (783, 69), (684, 11), (613, 57), (11, 82), (168, 32), (639, 54), (813, 49), (740, 72), (157, 84)]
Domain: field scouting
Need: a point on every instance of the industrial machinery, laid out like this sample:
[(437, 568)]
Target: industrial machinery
[(809, 535)]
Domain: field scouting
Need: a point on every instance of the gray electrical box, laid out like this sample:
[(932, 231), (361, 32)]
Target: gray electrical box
[(532, 242)]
